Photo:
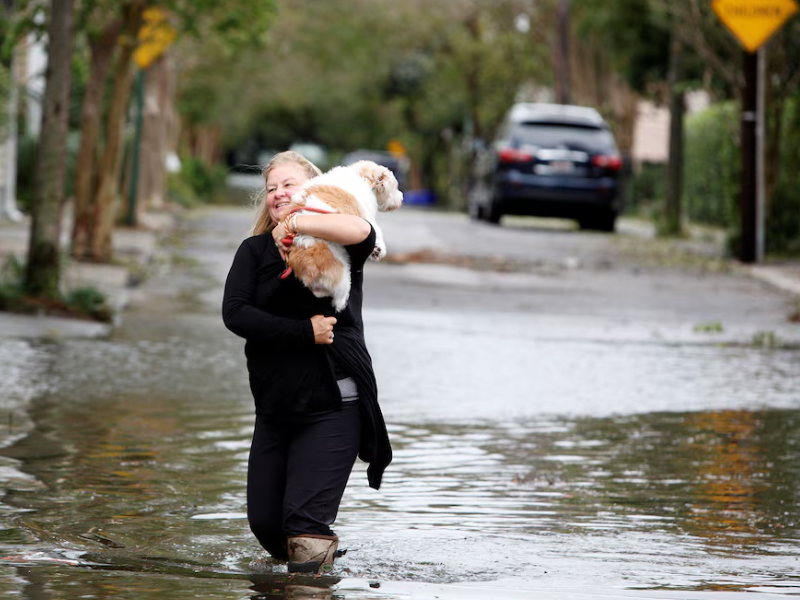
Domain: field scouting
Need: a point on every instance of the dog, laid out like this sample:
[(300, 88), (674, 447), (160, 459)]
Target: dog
[(362, 189)]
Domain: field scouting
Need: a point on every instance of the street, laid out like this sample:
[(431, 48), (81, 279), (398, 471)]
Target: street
[(573, 414)]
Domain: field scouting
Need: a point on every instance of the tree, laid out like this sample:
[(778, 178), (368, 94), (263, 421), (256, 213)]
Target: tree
[(42, 274), (111, 33), (364, 72), (644, 47), (112, 29)]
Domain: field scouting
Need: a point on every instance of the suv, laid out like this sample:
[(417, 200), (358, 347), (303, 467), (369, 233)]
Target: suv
[(549, 160)]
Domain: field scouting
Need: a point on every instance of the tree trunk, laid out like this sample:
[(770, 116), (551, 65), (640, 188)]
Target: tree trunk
[(205, 143), (562, 53), (86, 208), (43, 273), (677, 108), (100, 247), (157, 134)]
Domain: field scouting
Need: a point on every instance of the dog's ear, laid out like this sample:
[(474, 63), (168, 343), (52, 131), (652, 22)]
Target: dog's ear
[(380, 179), (372, 172)]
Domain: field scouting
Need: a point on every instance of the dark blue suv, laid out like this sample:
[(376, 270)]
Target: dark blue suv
[(549, 160)]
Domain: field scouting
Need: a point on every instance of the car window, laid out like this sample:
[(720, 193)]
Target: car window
[(546, 135)]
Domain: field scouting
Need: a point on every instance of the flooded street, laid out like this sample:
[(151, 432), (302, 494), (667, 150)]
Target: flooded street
[(570, 427)]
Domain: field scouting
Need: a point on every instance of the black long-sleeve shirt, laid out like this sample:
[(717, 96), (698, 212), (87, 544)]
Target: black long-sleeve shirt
[(288, 372)]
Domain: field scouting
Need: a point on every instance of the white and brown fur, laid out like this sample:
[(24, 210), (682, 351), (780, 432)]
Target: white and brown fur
[(362, 189)]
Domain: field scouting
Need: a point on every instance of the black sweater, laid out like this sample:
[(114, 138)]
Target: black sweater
[(288, 372)]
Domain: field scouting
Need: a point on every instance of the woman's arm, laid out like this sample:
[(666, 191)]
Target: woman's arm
[(243, 318), (341, 229)]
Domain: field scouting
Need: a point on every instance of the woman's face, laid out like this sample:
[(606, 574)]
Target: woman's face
[(283, 181)]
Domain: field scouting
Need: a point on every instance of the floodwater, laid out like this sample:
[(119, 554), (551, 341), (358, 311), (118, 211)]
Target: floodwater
[(525, 465)]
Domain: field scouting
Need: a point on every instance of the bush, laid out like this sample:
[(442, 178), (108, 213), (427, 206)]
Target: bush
[(712, 176), (783, 213), (89, 301), (645, 187), (180, 191), (783, 222), (11, 276), (197, 183), (207, 181), (712, 166)]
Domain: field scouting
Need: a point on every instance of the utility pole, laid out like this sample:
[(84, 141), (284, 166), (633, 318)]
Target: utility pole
[(761, 192), (747, 203), (753, 23)]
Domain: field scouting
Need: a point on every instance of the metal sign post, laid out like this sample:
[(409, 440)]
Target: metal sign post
[(753, 22)]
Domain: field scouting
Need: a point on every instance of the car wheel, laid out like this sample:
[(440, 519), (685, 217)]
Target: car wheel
[(606, 222), (474, 209), (491, 212)]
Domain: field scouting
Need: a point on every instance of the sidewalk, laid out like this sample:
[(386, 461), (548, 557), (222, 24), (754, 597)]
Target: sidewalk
[(784, 276), (133, 251), (707, 242)]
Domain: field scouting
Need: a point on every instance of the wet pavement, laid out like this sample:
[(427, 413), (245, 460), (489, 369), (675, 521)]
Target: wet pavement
[(573, 416)]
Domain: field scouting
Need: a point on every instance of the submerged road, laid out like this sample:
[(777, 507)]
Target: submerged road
[(573, 415)]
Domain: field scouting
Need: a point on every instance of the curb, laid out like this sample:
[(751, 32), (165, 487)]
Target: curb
[(786, 278), (134, 246)]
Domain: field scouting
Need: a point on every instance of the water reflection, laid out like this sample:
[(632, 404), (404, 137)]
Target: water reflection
[(731, 472), (544, 461), (293, 587), (140, 490)]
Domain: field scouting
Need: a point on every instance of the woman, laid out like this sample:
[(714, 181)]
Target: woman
[(310, 374)]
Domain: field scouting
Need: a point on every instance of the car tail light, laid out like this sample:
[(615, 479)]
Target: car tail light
[(612, 162), (513, 155)]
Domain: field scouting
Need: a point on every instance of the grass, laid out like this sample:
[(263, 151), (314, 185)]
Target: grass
[(711, 327)]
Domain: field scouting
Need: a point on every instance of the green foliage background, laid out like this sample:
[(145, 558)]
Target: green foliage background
[(712, 165)]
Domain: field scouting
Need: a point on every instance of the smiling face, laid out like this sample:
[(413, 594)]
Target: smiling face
[(283, 181)]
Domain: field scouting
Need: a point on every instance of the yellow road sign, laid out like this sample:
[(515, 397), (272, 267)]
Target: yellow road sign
[(396, 147), (155, 36), (753, 21)]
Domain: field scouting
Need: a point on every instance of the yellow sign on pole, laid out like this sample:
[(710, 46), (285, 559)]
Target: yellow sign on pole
[(396, 147), (155, 36), (753, 22)]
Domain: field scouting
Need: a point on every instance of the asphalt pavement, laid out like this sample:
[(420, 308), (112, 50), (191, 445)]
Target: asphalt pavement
[(434, 252)]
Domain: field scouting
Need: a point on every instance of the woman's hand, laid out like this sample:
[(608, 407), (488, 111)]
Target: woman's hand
[(279, 233), (323, 329)]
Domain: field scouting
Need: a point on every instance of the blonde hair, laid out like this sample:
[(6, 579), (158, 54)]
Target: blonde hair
[(263, 223)]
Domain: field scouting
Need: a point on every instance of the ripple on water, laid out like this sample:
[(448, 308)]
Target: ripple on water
[(144, 443)]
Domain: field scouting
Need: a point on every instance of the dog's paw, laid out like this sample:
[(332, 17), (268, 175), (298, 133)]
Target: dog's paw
[(378, 253)]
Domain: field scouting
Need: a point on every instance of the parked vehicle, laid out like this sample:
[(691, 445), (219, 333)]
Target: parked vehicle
[(313, 152), (397, 164), (549, 160)]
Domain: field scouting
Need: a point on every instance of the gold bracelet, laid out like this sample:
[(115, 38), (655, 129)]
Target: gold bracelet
[(289, 224)]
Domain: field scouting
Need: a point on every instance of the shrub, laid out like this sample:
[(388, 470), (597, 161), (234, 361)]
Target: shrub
[(11, 277), (207, 181), (712, 176), (712, 166), (90, 301), (645, 187)]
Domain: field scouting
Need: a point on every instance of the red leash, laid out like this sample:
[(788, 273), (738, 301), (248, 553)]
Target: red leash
[(290, 234)]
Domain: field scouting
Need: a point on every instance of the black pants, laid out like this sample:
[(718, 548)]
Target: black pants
[(297, 472)]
